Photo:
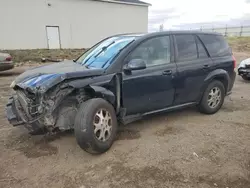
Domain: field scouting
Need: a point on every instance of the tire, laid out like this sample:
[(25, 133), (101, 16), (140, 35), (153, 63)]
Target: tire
[(207, 107), (245, 77), (88, 114)]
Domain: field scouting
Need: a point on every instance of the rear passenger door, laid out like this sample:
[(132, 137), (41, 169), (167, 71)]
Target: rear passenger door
[(193, 65)]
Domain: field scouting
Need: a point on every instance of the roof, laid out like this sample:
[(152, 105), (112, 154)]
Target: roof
[(134, 1), (159, 33), (185, 32), (129, 2), (131, 34)]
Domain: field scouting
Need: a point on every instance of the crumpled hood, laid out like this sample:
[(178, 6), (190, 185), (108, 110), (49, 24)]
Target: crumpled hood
[(49, 75)]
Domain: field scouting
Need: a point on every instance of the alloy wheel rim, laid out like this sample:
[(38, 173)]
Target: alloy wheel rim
[(214, 97), (102, 125)]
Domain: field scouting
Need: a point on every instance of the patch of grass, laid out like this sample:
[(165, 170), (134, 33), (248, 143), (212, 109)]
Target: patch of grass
[(35, 55), (239, 44)]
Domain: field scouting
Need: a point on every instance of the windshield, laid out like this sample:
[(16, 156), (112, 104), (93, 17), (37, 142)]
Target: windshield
[(101, 55)]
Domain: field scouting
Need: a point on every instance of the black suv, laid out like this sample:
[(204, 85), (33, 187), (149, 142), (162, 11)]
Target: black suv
[(121, 79)]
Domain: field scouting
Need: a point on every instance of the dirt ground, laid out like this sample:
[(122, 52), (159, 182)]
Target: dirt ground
[(180, 149)]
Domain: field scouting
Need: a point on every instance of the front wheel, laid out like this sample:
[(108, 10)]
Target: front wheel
[(95, 126), (213, 98)]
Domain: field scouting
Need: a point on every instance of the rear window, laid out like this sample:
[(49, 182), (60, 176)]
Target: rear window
[(215, 44)]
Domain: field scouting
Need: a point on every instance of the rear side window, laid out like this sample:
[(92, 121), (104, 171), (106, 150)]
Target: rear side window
[(186, 47), (202, 53), (215, 44)]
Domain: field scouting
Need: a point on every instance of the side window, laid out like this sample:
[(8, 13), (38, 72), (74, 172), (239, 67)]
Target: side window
[(186, 47), (215, 44), (155, 51), (201, 50)]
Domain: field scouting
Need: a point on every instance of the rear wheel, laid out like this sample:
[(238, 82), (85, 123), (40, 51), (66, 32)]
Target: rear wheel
[(213, 98), (95, 126)]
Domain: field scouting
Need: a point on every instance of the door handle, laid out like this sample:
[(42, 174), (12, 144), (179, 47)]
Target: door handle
[(167, 72), (205, 66)]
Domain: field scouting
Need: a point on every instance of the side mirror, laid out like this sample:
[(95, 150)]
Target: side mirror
[(135, 64)]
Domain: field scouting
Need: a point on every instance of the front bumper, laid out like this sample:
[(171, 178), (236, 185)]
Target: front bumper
[(15, 119), (11, 113), (244, 72), (22, 110)]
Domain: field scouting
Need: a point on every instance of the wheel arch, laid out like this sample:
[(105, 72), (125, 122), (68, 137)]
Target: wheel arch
[(101, 92), (68, 96), (220, 75), (107, 87)]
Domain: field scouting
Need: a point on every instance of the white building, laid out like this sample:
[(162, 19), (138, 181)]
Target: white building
[(33, 24)]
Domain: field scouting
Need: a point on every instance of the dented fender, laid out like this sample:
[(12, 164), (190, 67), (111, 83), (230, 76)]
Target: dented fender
[(95, 81), (101, 86), (104, 93)]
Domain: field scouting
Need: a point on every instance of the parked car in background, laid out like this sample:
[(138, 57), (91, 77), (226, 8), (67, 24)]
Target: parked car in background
[(122, 79), (5, 61), (244, 69)]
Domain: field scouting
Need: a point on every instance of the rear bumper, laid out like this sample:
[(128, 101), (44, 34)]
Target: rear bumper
[(231, 83), (229, 93), (6, 66)]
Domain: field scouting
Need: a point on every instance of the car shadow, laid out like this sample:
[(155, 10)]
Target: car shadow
[(130, 131), (150, 121), (244, 81)]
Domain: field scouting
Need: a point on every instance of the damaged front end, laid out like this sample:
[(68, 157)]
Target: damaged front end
[(49, 100), (35, 102)]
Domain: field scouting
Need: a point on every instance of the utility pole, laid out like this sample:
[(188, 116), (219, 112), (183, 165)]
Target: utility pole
[(161, 27)]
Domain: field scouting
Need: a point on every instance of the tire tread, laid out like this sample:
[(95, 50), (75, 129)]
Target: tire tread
[(203, 107), (85, 138)]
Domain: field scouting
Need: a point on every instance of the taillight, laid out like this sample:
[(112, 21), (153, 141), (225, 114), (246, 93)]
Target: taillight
[(234, 62), (9, 58)]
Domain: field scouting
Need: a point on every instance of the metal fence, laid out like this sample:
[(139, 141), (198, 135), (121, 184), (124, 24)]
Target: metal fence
[(230, 31), (226, 31)]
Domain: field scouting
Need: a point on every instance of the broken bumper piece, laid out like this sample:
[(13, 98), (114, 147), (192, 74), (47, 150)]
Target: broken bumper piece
[(12, 114), (244, 72), (16, 120)]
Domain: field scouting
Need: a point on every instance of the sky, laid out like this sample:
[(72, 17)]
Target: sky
[(192, 14)]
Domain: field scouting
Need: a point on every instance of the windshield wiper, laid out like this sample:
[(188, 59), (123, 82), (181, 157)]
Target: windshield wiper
[(102, 50), (117, 53)]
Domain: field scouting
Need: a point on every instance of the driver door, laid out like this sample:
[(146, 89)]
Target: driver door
[(151, 88)]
